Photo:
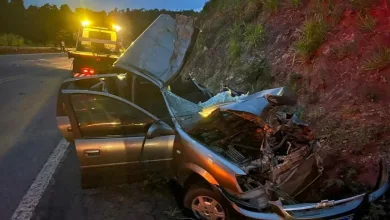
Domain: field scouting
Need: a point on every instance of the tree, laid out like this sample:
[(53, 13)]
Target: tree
[(15, 16), (3, 15), (49, 24), (17, 3)]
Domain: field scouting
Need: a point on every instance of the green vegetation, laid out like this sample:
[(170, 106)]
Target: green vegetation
[(271, 5), (235, 38), (361, 5), (344, 49), (250, 34), (328, 9), (200, 42), (294, 81), (11, 40), (379, 60), (366, 23), (219, 5), (296, 3), (251, 10), (49, 24), (234, 50), (237, 30), (259, 74), (254, 34), (313, 34)]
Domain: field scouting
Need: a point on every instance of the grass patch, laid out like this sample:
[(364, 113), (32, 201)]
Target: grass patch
[(251, 10), (11, 40), (271, 5), (344, 49), (259, 75), (234, 49), (235, 39), (329, 9), (293, 81), (313, 35), (361, 5), (201, 41), (237, 30), (366, 23), (219, 5), (379, 60), (254, 34), (296, 3)]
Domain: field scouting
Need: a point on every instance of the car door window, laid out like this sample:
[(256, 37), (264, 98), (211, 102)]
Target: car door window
[(148, 96), (100, 116)]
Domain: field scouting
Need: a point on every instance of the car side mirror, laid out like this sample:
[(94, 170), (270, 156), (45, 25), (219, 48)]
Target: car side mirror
[(159, 129)]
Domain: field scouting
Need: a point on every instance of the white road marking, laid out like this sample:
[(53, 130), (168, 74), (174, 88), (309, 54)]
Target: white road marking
[(31, 199), (11, 78)]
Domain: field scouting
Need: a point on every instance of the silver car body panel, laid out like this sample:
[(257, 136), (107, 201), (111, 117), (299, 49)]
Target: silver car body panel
[(65, 127), (158, 148), (110, 151), (258, 103), (158, 53), (322, 210), (207, 162), (122, 156)]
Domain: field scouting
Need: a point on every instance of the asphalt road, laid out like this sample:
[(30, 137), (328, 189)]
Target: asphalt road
[(28, 88), (29, 135)]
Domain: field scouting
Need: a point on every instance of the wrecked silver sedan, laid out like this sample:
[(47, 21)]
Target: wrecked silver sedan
[(244, 154)]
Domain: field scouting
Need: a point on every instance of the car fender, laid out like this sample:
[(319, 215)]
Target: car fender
[(193, 168)]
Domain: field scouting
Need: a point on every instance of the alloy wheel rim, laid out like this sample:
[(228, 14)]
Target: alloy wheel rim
[(205, 207)]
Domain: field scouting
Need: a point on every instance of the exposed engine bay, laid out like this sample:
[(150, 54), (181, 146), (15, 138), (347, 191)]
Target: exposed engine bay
[(276, 151)]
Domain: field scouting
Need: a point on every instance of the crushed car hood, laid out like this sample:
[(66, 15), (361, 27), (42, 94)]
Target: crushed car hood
[(257, 104), (279, 154), (159, 52), (272, 147)]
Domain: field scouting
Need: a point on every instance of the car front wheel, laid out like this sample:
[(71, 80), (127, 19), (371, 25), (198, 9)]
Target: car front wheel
[(205, 203)]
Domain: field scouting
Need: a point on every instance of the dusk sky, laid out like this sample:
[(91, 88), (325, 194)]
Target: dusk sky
[(122, 4)]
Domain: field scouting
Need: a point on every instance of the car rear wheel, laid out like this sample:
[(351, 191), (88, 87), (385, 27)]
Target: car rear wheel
[(204, 203)]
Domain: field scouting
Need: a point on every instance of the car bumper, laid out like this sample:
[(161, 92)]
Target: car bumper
[(343, 209)]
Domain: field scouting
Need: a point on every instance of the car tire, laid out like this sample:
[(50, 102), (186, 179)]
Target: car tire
[(214, 205)]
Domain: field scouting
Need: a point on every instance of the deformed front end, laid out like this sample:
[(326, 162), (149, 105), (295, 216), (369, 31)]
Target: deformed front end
[(278, 154)]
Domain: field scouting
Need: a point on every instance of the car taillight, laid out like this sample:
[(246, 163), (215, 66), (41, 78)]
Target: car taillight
[(87, 72)]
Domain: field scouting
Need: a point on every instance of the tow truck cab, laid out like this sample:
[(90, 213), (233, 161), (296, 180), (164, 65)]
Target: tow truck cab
[(97, 49)]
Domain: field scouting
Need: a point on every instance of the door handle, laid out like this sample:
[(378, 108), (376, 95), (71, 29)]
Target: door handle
[(92, 153)]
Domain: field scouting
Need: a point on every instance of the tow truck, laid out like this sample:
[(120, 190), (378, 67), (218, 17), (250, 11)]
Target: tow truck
[(97, 48)]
